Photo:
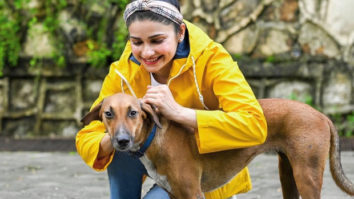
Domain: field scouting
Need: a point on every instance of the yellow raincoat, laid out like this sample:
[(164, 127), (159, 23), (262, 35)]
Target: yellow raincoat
[(203, 74)]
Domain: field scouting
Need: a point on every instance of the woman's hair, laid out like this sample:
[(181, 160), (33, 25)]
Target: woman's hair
[(148, 15)]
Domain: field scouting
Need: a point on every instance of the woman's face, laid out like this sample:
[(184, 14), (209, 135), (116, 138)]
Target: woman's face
[(154, 45)]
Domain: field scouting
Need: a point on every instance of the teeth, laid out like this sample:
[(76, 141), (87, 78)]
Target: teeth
[(151, 60)]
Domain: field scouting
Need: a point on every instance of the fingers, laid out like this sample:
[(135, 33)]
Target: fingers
[(158, 89), (156, 94), (153, 97), (160, 97)]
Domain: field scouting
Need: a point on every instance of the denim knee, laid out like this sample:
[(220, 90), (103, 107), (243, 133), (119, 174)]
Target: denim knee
[(125, 175), (156, 192)]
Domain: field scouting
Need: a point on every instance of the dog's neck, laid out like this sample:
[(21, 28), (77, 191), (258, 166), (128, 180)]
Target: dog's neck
[(155, 149), (146, 144)]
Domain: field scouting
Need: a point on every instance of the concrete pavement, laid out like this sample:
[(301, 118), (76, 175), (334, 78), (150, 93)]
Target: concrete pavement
[(54, 175)]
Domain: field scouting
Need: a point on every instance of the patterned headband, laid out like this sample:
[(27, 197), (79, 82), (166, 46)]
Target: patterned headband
[(159, 7)]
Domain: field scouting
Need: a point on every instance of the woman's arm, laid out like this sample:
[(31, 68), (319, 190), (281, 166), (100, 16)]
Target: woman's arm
[(239, 121), (106, 147)]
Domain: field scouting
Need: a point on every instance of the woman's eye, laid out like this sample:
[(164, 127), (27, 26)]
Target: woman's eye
[(157, 41), (137, 43), (108, 114), (133, 113)]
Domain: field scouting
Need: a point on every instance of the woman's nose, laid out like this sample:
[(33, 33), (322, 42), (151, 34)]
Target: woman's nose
[(147, 52)]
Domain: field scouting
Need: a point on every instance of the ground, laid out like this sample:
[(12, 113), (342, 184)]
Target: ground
[(63, 175)]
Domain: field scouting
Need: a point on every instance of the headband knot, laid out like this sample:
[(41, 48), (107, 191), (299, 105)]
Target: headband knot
[(159, 7), (145, 4)]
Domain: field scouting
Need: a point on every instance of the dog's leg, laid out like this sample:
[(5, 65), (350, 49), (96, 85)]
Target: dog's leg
[(308, 171), (309, 182), (187, 193), (186, 189), (185, 185), (286, 178)]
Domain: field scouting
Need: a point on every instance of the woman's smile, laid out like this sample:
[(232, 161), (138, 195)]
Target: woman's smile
[(154, 45), (151, 61)]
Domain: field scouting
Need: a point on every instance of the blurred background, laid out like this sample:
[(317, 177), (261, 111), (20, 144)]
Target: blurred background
[(54, 55)]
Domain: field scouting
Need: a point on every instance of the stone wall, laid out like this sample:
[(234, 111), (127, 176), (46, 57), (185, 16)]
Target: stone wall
[(47, 101), (302, 50)]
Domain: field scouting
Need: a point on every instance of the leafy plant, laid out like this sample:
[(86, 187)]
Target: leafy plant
[(10, 45), (105, 34)]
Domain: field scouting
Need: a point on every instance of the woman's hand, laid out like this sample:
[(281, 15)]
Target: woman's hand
[(106, 147), (162, 99)]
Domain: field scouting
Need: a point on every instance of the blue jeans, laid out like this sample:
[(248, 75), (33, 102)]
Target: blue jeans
[(125, 175)]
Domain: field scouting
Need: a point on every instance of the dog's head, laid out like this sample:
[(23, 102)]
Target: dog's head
[(127, 120)]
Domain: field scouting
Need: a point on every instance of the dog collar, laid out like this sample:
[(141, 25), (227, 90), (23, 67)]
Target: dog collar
[(147, 143)]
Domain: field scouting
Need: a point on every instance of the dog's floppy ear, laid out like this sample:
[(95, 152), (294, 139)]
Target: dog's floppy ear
[(94, 114), (149, 111)]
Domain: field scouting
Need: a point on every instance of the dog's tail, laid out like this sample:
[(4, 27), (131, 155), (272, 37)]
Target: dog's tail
[(335, 163)]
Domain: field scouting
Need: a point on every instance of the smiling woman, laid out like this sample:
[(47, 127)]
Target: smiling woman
[(189, 79), (154, 45)]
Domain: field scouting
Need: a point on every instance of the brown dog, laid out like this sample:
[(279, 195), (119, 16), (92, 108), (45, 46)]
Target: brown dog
[(301, 136)]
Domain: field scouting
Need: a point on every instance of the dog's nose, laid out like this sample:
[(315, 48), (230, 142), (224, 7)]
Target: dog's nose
[(123, 140)]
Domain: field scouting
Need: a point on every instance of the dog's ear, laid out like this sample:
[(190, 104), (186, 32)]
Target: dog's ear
[(150, 112), (94, 114)]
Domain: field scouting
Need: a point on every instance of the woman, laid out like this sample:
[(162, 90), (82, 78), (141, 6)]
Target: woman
[(190, 79)]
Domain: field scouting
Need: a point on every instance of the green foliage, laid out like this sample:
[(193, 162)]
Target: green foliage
[(270, 59), (237, 56), (120, 35), (99, 53), (307, 99), (344, 124), (105, 35), (97, 57), (9, 36), (350, 131)]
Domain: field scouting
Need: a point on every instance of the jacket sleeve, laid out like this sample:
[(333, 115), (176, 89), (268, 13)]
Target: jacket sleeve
[(88, 138), (239, 122)]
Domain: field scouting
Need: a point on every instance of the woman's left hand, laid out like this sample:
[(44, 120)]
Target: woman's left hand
[(162, 99)]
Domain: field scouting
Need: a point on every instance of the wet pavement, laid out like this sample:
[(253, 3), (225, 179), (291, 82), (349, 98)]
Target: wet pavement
[(59, 175)]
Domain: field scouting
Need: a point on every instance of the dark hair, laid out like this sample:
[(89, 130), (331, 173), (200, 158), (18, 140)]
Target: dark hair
[(143, 15)]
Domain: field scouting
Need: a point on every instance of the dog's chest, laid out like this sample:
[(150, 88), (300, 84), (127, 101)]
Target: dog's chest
[(151, 169)]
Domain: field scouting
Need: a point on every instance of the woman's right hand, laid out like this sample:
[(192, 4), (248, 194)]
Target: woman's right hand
[(104, 153), (106, 147)]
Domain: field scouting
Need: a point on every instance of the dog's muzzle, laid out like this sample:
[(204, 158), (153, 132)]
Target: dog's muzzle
[(122, 142)]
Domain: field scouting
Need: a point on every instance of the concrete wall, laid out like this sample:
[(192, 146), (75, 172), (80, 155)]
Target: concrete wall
[(302, 50)]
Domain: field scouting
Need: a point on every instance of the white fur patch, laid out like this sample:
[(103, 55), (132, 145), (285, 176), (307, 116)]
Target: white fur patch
[(151, 169)]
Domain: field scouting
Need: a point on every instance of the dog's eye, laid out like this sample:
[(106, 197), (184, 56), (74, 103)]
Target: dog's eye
[(132, 113), (108, 114)]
